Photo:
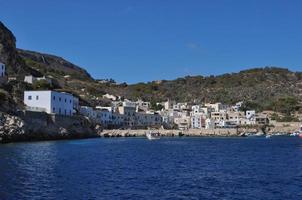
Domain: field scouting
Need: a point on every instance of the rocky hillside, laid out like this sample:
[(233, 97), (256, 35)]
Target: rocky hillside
[(260, 85), (52, 65)]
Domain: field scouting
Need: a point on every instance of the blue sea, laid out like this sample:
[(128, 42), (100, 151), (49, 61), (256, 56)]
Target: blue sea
[(169, 168)]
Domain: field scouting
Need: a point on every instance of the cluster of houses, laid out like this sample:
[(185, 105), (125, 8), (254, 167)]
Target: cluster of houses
[(124, 113), (138, 114)]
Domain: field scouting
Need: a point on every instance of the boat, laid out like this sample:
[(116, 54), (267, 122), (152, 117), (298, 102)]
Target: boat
[(152, 135), (268, 136)]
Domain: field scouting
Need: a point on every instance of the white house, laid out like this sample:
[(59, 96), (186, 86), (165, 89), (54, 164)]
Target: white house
[(198, 120), (250, 114), (48, 101), (31, 79), (2, 70)]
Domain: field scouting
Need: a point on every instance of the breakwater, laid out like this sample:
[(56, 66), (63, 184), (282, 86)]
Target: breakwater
[(171, 133)]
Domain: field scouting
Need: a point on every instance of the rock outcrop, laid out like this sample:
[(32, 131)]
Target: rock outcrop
[(41, 126), (10, 56)]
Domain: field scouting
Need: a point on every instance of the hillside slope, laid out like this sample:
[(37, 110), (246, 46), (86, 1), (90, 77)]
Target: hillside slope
[(259, 85)]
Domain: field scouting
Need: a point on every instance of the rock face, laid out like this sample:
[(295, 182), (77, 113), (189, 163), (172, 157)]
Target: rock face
[(10, 56), (53, 64), (40, 126)]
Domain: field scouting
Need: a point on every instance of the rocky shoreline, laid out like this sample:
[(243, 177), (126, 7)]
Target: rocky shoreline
[(32, 126)]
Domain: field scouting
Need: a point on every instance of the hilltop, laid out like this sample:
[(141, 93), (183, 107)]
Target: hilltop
[(262, 88)]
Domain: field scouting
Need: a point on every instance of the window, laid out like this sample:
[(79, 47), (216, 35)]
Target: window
[(70, 101), (54, 98), (37, 97), (53, 109), (59, 110), (29, 97), (65, 100), (60, 99), (65, 111)]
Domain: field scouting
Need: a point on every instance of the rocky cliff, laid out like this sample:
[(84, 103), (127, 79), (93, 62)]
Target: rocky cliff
[(29, 126)]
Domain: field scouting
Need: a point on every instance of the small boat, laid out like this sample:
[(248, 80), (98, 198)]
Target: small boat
[(151, 135), (268, 136)]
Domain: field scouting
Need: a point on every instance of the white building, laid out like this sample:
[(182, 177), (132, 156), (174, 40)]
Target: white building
[(88, 112), (210, 124), (250, 113), (148, 120), (31, 79), (104, 116), (216, 107), (198, 120), (117, 120), (48, 101)]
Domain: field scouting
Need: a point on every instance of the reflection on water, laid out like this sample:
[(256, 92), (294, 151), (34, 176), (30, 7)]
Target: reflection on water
[(169, 168)]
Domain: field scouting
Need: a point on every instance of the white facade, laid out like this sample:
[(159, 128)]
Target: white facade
[(210, 124), (143, 105), (88, 112), (148, 120), (104, 117), (60, 103), (31, 79), (216, 107), (198, 120), (250, 114), (2, 70)]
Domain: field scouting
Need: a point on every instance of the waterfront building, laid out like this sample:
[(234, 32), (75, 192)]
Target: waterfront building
[(104, 116), (145, 120), (235, 118), (88, 112), (219, 116), (128, 109), (52, 102), (183, 123), (210, 124), (198, 120), (117, 120)]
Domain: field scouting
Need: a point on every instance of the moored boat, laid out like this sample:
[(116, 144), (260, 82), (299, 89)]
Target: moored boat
[(151, 135)]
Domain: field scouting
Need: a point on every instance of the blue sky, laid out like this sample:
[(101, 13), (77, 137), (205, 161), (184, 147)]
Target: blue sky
[(145, 40)]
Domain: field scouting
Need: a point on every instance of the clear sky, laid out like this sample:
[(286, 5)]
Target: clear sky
[(143, 40)]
